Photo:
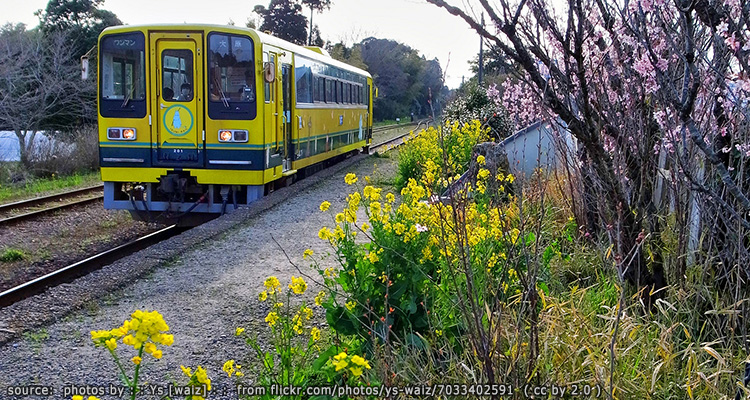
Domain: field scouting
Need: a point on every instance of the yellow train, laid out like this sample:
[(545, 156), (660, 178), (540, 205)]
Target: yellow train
[(197, 118)]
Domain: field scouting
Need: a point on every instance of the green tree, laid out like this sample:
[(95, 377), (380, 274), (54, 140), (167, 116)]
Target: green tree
[(284, 19), (81, 20), (407, 82), (315, 5)]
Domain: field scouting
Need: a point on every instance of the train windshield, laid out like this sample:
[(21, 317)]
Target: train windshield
[(122, 75), (231, 77)]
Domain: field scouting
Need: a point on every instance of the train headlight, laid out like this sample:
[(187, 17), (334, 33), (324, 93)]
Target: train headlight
[(225, 136), (236, 136), (121, 133), (128, 134)]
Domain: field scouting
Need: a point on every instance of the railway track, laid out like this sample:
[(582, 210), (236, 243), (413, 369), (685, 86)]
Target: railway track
[(80, 268), (38, 201)]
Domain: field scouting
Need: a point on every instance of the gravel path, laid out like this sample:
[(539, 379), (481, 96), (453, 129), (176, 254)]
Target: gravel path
[(204, 293)]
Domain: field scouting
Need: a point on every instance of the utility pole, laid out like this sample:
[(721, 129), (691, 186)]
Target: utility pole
[(481, 54)]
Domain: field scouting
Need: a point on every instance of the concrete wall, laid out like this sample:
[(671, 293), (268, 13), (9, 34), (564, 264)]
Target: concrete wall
[(542, 145)]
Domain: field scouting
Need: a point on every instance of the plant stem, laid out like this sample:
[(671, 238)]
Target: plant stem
[(134, 388), (119, 365)]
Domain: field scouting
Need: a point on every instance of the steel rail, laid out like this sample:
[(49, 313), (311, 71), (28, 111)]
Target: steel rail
[(46, 199), (83, 267), (32, 214)]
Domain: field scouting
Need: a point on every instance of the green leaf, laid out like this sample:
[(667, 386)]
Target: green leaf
[(324, 356), (544, 287), (268, 360)]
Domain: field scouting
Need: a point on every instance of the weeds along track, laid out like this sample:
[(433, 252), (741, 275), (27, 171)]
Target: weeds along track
[(68, 273), (12, 213)]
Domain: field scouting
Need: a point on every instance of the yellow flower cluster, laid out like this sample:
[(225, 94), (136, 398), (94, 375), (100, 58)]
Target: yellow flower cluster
[(307, 253), (350, 178), (232, 369), (319, 298), (199, 378), (356, 364), (272, 283), (298, 285), (324, 206), (144, 330), (272, 318)]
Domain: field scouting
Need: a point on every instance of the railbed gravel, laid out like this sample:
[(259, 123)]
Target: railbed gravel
[(205, 282)]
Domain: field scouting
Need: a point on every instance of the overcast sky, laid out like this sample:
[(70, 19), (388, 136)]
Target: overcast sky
[(429, 29)]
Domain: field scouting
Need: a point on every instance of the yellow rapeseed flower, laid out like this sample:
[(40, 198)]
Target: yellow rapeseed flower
[(350, 305), (340, 362), (136, 360), (228, 367), (187, 371), (480, 160), (307, 311), (390, 197), (324, 233), (238, 331), (202, 377), (350, 178), (315, 334), (298, 285), (373, 257), (111, 343), (272, 283), (262, 296), (319, 298), (307, 253), (324, 205), (271, 318)]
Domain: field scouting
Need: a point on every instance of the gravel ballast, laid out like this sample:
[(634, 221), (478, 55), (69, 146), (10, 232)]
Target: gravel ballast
[(205, 282)]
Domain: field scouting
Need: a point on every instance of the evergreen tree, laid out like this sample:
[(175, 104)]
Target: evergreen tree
[(284, 19)]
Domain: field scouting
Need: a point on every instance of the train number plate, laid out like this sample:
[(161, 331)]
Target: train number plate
[(178, 155)]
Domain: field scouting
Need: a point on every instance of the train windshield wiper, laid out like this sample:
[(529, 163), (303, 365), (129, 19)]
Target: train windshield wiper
[(127, 98), (224, 100)]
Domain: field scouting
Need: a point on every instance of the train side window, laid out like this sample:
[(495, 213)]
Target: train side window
[(329, 91), (339, 92), (321, 90), (304, 81)]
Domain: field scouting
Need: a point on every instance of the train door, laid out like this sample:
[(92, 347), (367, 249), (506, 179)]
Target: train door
[(272, 117), (286, 89), (177, 128)]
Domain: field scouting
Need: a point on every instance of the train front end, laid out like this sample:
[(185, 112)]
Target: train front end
[(179, 130)]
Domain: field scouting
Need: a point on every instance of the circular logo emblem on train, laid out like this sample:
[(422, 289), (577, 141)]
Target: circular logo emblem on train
[(178, 120)]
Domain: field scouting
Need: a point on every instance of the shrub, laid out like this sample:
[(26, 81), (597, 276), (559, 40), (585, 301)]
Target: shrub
[(76, 151), (477, 105), (449, 148)]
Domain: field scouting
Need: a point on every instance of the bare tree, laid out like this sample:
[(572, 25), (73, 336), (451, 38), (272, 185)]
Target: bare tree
[(40, 86)]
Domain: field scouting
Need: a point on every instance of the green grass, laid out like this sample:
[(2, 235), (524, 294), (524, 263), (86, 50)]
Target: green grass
[(404, 120), (39, 186), (11, 255)]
